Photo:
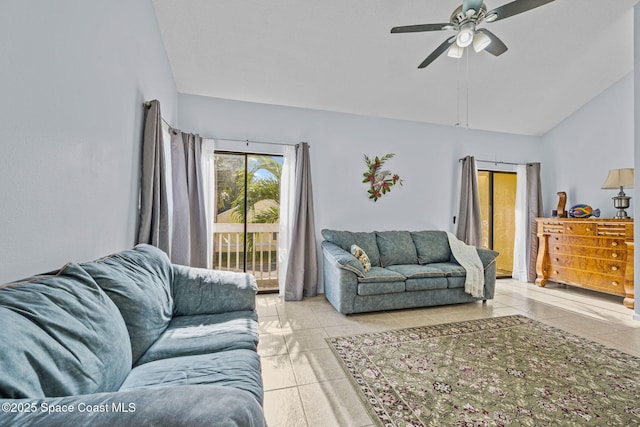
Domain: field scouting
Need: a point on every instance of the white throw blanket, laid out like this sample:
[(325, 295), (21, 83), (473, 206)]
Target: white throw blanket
[(467, 256)]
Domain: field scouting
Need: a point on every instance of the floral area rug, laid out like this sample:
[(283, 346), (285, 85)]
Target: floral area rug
[(491, 372)]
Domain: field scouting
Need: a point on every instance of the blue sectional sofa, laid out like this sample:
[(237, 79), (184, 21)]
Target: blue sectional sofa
[(408, 269), (130, 339)]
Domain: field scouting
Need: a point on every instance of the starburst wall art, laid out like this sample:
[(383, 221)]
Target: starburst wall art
[(380, 181)]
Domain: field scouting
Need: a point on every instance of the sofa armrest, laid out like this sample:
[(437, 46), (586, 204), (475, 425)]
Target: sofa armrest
[(192, 405), (203, 291), (487, 256), (344, 260), (340, 281)]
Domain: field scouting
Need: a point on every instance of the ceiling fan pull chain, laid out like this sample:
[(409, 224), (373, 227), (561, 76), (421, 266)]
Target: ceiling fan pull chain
[(467, 79), (458, 95)]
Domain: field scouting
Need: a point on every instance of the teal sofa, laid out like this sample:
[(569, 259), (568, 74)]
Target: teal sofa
[(130, 339), (408, 269)]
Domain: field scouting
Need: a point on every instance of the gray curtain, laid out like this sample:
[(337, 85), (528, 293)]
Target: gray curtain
[(302, 272), (189, 226), (469, 219), (153, 225), (534, 205)]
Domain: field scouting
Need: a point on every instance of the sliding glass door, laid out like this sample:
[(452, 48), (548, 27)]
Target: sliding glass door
[(498, 206), (247, 217)]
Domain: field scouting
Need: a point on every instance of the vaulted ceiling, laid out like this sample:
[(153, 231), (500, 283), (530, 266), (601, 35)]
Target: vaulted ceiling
[(339, 55)]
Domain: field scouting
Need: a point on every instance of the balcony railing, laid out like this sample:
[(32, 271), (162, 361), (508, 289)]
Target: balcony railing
[(261, 255)]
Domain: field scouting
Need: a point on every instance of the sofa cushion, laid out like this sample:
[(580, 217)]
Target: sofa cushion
[(366, 240), (396, 247), (415, 271), (426, 283), (381, 275), (455, 281), (432, 246), (450, 268), (205, 333), (380, 280), (239, 369), (138, 281), (379, 288), (61, 335)]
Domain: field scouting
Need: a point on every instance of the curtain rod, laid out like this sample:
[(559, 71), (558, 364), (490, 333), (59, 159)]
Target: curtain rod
[(495, 162), (247, 141)]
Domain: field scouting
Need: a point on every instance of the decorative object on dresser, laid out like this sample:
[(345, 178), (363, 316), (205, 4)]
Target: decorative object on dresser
[(562, 201), (583, 211), (590, 253), (619, 178)]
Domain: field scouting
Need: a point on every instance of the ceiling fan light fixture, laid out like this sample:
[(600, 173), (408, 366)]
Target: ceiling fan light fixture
[(465, 34), (480, 41), (455, 51)]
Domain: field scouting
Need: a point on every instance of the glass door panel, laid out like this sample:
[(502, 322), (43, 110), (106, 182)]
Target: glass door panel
[(229, 228), (248, 215), (497, 206)]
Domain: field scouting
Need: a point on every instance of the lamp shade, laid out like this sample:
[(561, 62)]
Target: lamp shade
[(455, 51), (480, 41), (618, 178)]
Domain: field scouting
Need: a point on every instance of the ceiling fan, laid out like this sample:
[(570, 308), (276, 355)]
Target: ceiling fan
[(465, 20)]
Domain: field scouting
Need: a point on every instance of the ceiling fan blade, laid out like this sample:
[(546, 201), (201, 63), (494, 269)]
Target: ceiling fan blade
[(496, 47), (514, 8), (471, 4), (422, 27), (436, 53)]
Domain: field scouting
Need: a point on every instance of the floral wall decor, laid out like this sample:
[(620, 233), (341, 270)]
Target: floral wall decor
[(380, 181)]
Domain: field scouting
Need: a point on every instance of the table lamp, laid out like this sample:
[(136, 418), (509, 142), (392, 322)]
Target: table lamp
[(619, 178)]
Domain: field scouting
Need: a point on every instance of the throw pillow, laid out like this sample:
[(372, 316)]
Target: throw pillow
[(361, 256)]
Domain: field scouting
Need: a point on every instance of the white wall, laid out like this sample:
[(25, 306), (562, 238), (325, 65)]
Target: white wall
[(426, 158), (580, 151), (73, 77)]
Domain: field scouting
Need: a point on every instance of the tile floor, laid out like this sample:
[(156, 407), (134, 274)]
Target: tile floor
[(305, 386)]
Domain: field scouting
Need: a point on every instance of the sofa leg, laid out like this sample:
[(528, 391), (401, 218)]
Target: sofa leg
[(484, 301)]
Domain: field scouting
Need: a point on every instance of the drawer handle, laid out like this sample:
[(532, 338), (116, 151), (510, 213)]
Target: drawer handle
[(614, 255), (556, 272), (556, 259), (588, 229), (570, 228), (614, 267), (614, 283), (557, 238), (614, 243), (557, 248)]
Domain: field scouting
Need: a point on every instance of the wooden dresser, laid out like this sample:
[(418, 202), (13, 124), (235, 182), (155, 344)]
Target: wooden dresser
[(590, 253)]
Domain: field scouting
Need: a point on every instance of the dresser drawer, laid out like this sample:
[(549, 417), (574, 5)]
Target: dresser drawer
[(585, 279), (590, 242), (580, 228), (561, 250), (594, 265), (614, 230), (552, 227)]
